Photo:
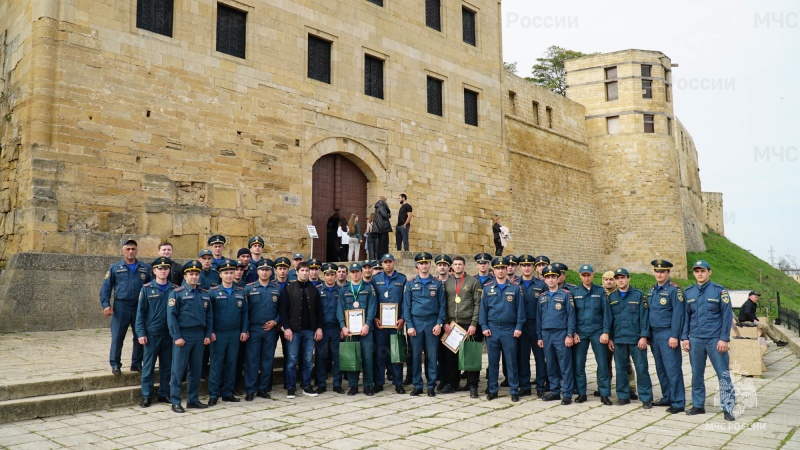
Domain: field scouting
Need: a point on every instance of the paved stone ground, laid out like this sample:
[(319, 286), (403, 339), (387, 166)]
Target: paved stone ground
[(388, 420)]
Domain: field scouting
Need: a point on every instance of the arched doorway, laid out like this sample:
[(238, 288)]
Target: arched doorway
[(339, 188)]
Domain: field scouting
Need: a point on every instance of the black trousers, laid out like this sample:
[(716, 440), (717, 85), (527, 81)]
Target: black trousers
[(498, 247), (382, 246), (448, 363)]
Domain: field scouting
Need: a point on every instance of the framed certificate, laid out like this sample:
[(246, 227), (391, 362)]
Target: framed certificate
[(453, 339), (389, 315), (354, 319)]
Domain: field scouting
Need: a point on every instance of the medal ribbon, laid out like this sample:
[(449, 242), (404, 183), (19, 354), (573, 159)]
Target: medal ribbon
[(355, 292), (458, 284)]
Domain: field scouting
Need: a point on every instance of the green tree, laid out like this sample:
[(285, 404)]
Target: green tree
[(511, 67), (549, 70)]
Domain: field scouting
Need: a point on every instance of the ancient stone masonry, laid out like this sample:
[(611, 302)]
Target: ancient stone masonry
[(111, 131)]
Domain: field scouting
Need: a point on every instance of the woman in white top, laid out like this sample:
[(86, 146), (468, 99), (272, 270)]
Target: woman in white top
[(344, 239)]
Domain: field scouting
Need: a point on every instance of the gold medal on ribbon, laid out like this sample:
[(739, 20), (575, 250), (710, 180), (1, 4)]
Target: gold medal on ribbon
[(355, 304), (386, 294), (458, 299)]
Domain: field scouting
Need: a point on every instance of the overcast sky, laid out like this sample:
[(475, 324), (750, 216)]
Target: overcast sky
[(737, 90)]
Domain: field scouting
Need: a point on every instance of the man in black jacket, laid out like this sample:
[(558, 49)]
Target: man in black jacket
[(301, 314), (379, 237), (747, 314)]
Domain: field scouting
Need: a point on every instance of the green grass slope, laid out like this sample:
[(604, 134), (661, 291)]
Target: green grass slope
[(733, 267)]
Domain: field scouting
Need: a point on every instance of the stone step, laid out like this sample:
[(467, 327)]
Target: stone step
[(70, 395)]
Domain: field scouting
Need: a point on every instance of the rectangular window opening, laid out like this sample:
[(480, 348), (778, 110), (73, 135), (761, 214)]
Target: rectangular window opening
[(470, 107), (612, 92), (468, 26), (433, 14), (549, 112), (649, 123), (612, 125), (536, 113), (319, 59), (435, 102), (155, 16), (373, 76)]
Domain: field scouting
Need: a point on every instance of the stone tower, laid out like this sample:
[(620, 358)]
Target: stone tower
[(634, 161)]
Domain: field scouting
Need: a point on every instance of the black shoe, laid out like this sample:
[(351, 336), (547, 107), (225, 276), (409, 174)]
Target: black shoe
[(163, 400), (729, 416), (606, 401), (338, 390), (514, 398), (540, 394), (407, 382), (400, 389), (178, 409), (491, 396), (504, 383), (623, 401), (352, 391), (647, 405), (321, 390), (416, 392), (779, 344), (369, 392), (525, 393), (581, 399), (377, 389), (464, 375), (473, 392), (212, 402), (674, 410), (431, 393), (145, 403), (308, 392), (197, 405), (290, 393), (662, 402), (552, 397), (596, 394), (566, 400), (249, 396), (263, 394), (634, 396), (695, 411), (389, 375), (447, 389), (136, 369), (231, 399), (238, 392), (116, 372)]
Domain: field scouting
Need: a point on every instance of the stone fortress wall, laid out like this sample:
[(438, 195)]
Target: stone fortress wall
[(110, 131)]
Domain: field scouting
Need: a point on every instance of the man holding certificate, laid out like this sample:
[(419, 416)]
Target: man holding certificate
[(389, 286), (502, 316), (356, 310), (463, 308), (424, 310)]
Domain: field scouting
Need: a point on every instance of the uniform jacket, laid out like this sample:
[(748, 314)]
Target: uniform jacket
[(364, 295), (189, 308), (390, 289), (126, 284), (502, 307), (424, 301), (151, 310), (209, 278), (708, 312), (667, 309), (230, 310), (631, 320), (555, 312), (592, 310), (329, 298), (262, 304)]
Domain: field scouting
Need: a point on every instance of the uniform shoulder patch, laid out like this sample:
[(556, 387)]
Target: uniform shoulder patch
[(214, 288), (680, 295), (204, 290), (726, 298), (674, 284), (171, 302), (108, 274), (180, 288), (251, 284)]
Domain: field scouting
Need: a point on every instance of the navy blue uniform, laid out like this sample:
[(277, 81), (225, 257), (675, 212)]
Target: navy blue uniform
[(631, 322), (151, 323), (328, 347), (667, 319), (190, 317), (555, 320), (126, 283), (708, 320), (230, 322), (209, 278), (593, 319), (361, 297), (388, 289), (262, 307), (424, 307), (527, 343), (502, 312)]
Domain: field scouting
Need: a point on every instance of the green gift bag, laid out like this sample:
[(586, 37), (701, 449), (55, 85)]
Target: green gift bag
[(397, 347), (470, 355), (349, 355)]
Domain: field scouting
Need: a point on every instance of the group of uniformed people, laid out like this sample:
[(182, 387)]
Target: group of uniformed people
[(237, 311)]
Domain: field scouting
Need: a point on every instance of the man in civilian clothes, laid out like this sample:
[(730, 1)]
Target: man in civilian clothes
[(463, 307)]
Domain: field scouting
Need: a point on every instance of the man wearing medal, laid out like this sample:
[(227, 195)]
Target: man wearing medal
[(389, 286), (463, 307), (424, 310), (356, 294)]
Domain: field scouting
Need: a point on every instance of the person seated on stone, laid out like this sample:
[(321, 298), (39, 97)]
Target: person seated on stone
[(747, 315)]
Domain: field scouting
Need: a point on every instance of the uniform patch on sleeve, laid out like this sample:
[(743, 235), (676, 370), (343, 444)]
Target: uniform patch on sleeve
[(726, 298), (680, 296), (108, 274), (171, 302)]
